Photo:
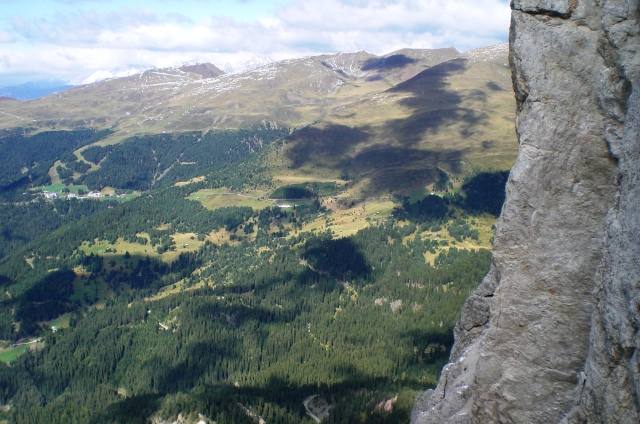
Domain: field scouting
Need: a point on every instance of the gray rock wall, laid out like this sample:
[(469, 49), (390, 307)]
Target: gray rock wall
[(551, 334)]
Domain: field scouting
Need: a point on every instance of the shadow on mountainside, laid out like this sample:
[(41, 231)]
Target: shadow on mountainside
[(134, 410), (434, 105), (398, 168), (391, 156), (341, 258), (355, 399), (325, 145), (385, 63)]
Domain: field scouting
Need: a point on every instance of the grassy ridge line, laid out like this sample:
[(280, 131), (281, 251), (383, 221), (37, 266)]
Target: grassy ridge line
[(281, 92)]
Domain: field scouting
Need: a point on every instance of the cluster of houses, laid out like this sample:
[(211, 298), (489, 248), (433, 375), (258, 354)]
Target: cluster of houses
[(51, 195)]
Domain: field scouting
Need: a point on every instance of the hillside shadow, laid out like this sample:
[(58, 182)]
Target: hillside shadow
[(48, 298), (339, 258), (397, 167), (387, 63), (7, 235), (327, 144), (20, 183), (435, 105), (485, 192), (186, 374), (227, 400), (5, 281), (432, 80), (430, 346), (494, 87), (134, 410), (379, 156)]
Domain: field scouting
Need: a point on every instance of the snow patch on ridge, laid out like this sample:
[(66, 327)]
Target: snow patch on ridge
[(115, 73), (485, 54)]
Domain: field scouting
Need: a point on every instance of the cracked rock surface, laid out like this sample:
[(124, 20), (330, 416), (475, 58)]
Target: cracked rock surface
[(551, 334)]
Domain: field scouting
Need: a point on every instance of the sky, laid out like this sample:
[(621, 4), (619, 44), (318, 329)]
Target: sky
[(79, 41)]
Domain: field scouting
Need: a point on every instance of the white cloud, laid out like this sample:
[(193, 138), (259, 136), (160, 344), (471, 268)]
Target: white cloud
[(6, 37), (85, 43)]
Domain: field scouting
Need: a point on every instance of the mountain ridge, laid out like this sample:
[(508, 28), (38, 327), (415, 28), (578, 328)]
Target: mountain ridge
[(142, 91)]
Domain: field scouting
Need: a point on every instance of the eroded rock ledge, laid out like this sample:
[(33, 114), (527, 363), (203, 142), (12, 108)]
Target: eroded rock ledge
[(551, 334)]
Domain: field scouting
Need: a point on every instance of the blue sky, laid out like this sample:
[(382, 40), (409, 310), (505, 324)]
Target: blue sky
[(193, 9), (84, 40)]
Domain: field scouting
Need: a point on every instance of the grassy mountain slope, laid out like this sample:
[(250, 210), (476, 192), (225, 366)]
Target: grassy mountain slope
[(455, 116), (290, 93)]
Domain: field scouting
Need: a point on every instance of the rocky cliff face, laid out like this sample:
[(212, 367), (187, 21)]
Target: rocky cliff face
[(551, 334)]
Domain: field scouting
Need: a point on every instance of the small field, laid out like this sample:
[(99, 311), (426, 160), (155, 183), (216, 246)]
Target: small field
[(95, 293), (61, 322), (287, 179), (483, 225), (185, 242), (173, 289), (10, 354), (221, 198), (192, 180), (348, 216), (109, 193)]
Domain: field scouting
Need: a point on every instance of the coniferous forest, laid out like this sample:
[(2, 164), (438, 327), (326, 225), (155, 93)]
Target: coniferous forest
[(230, 332)]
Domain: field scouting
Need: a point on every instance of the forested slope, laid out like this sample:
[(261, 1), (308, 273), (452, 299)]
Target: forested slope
[(301, 320), (229, 267), (268, 319)]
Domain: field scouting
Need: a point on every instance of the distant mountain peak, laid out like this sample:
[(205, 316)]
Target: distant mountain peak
[(206, 70)]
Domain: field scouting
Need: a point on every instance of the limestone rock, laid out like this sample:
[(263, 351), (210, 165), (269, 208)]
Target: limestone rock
[(552, 332)]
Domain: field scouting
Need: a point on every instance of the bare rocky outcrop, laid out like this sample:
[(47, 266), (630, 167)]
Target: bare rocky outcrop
[(551, 334)]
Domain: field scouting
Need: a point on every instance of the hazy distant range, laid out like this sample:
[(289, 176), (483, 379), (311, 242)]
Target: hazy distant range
[(33, 89), (38, 88)]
